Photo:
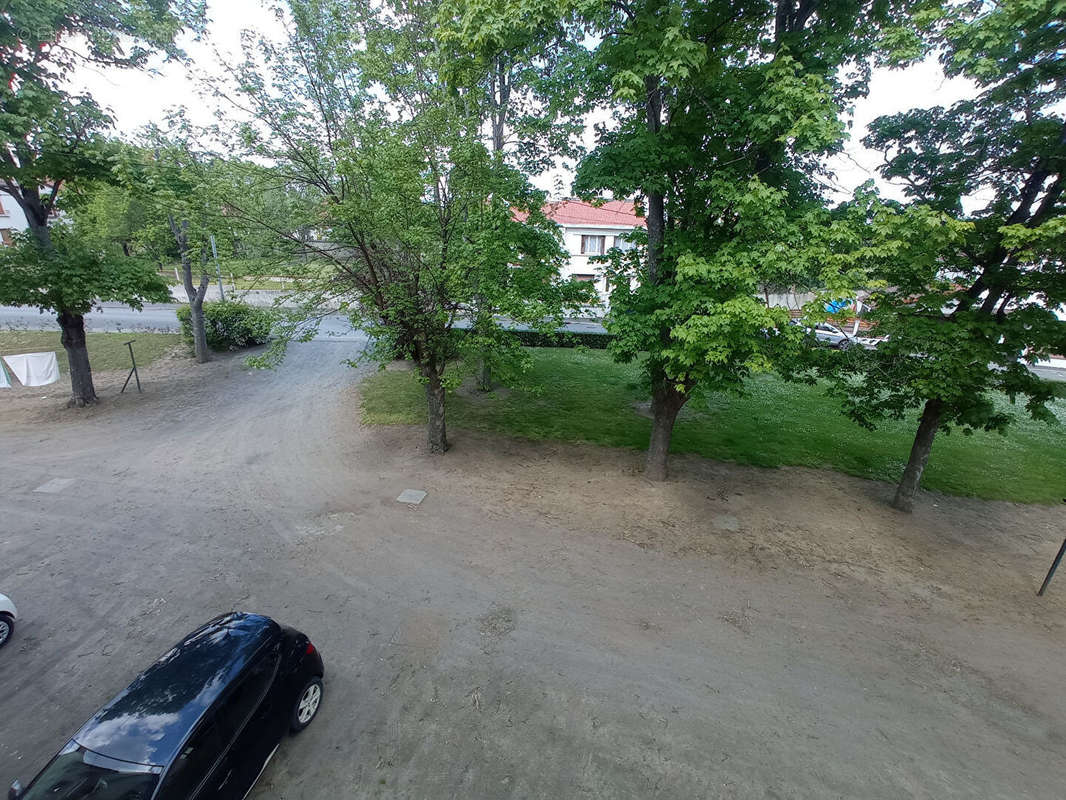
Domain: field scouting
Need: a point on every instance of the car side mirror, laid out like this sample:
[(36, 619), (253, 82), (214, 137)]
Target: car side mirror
[(15, 792)]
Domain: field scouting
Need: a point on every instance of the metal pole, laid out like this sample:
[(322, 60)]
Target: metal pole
[(133, 371), (218, 269), (1054, 566)]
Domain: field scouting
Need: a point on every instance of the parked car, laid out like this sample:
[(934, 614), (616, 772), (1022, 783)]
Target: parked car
[(8, 615), (201, 723), (832, 336)]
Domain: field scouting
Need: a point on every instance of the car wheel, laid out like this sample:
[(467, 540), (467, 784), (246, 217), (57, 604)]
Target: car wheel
[(307, 704), (844, 344), (7, 627)]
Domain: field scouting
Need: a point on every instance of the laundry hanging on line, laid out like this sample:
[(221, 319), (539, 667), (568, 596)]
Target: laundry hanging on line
[(34, 369), (5, 382)]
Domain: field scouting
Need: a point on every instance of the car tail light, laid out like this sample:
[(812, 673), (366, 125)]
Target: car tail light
[(310, 649)]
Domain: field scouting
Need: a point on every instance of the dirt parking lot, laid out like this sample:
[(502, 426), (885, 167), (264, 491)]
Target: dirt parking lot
[(546, 624)]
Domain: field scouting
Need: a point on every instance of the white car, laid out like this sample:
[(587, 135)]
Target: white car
[(834, 337), (8, 615)]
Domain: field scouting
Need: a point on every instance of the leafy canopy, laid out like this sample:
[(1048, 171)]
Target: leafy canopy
[(409, 218), (973, 267), (73, 276)]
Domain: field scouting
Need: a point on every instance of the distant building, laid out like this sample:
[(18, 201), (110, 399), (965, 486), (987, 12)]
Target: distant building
[(589, 231), (12, 220)]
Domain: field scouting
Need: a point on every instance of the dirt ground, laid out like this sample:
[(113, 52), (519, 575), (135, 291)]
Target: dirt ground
[(546, 624)]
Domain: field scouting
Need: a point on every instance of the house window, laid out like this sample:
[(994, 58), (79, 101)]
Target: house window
[(592, 245), (5, 235), (584, 278), (623, 244)]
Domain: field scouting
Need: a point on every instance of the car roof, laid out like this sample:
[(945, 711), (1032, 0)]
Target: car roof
[(149, 720)]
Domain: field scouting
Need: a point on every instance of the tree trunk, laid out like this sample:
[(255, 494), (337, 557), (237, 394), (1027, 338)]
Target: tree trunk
[(436, 435), (484, 375), (656, 213), (923, 443), (500, 102), (199, 331), (82, 391), (195, 294), (666, 402), (36, 212)]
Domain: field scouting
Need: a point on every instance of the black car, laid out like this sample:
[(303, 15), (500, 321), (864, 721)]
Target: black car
[(202, 722)]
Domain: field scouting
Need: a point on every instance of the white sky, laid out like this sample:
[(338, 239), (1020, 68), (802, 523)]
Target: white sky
[(137, 98)]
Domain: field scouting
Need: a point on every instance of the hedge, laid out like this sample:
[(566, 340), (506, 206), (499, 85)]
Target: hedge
[(593, 341), (230, 325)]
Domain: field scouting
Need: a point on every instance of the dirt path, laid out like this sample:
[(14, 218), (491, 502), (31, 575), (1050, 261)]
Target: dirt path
[(546, 624)]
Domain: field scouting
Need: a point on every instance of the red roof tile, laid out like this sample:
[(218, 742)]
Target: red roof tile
[(578, 212)]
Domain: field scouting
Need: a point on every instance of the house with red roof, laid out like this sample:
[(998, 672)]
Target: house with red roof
[(591, 230)]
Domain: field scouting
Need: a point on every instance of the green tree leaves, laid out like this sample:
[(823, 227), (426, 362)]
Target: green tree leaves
[(73, 276)]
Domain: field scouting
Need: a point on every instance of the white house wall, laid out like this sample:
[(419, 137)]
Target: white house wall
[(580, 264), (12, 218)]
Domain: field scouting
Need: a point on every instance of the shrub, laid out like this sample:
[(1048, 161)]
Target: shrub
[(230, 325), (593, 341)]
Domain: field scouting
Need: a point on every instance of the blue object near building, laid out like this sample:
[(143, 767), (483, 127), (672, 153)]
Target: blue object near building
[(838, 305)]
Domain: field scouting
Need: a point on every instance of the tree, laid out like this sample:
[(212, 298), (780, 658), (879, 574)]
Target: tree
[(52, 138), (973, 268), (109, 216), (69, 278), (179, 188), (724, 112), (524, 85), (412, 216)]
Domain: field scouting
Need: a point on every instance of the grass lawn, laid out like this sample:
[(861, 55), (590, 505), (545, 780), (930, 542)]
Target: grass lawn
[(107, 351), (584, 396), (245, 282)]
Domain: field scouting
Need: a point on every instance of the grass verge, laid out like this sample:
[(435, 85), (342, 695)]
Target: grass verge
[(583, 396), (107, 351)]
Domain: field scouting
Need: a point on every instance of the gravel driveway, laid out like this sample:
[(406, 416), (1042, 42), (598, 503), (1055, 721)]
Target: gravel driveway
[(516, 635)]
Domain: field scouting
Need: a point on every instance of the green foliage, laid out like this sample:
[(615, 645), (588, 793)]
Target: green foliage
[(180, 192), (591, 341), (584, 396), (230, 325), (121, 33), (108, 216), (540, 338), (72, 276), (973, 268), (52, 137), (527, 82), (735, 152), (413, 217)]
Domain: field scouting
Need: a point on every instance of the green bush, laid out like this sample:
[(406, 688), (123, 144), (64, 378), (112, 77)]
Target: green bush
[(593, 341), (230, 325)]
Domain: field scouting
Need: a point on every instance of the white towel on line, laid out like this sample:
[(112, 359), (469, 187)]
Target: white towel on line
[(5, 382), (34, 369)]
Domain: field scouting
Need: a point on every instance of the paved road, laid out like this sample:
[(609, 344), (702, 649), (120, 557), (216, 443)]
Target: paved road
[(1050, 373), (475, 648), (162, 318)]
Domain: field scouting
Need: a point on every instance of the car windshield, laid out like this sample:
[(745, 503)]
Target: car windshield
[(78, 773)]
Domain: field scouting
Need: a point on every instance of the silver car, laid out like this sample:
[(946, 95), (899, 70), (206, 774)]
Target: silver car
[(8, 615), (832, 336)]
